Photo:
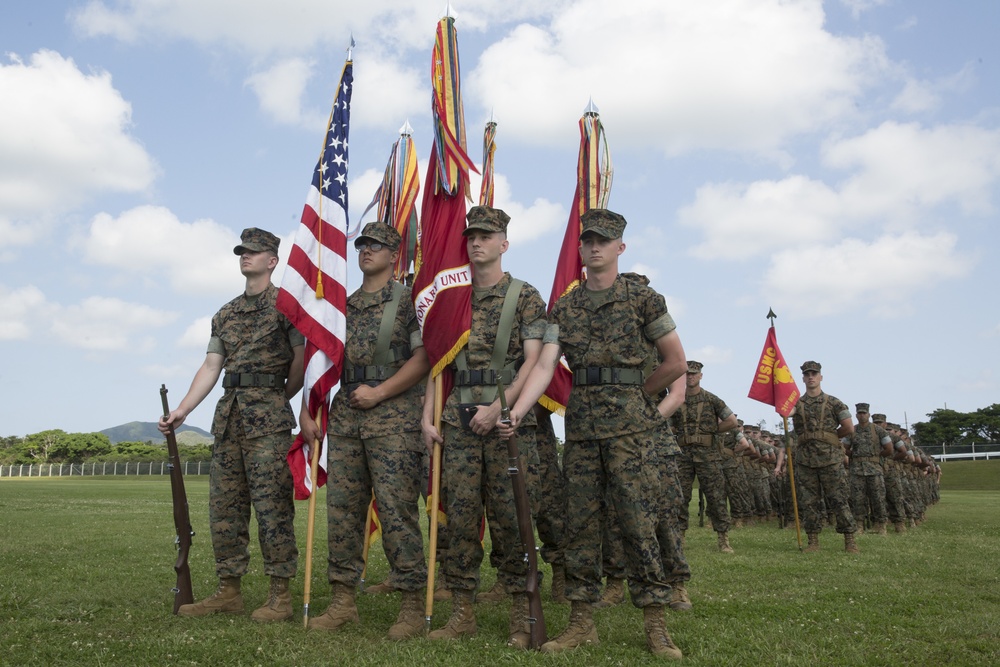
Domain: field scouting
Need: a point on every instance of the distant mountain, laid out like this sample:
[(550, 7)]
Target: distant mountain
[(147, 431)]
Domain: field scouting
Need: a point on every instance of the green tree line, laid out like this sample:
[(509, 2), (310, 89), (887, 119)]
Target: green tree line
[(955, 429), (57, 446)]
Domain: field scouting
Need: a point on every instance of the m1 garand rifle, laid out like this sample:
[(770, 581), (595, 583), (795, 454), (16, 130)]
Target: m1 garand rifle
[(515, 468), (183, 593)]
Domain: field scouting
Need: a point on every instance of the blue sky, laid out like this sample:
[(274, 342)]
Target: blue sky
[(836, 161)]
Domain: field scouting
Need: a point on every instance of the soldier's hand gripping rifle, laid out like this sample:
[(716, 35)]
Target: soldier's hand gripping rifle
[(183, 594), (515, 468)]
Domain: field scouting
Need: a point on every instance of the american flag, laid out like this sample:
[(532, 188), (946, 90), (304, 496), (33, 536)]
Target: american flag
[(313, 292)]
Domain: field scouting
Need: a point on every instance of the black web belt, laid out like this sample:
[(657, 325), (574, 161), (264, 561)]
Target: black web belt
[(595, 375), (266, 380), (483, 378)]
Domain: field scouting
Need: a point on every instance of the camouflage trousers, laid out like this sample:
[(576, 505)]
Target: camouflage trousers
[(626, 469), (711, 480), (552, 497), (895, 504), (612, 549), (761, 495), (668, 529), (868, 491), (738, 492), (819, 486), (245, 473), (474, 468), (390, 466)]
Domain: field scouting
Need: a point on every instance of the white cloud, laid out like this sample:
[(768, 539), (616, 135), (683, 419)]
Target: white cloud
[(197, 334), (829, 280), (22, 310), (279, 89), (108, 324), (64, 136), (152, 244), (900, 169), (96, 323), (741, 221), (858, 7), (739, 91)]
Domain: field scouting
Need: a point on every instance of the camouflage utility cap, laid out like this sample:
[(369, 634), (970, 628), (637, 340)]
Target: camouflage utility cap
[(811, 366), (380, 233), (695, 366), (602, 222), (257, 240), (486, 219), (878, 418), (861, 407)]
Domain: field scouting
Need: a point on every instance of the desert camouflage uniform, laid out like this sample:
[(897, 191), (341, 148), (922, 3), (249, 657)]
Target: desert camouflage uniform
[(867, 480), (474, 468), (699, 418), (252, 429), (819, 465), (378, 449), (613, 434)]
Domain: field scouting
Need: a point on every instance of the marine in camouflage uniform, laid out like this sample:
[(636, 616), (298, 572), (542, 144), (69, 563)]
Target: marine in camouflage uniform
[(474, 465), (696, 424), (261, 353), (868, 445), (374, 438), (732, 444), (820, 421), (892, 473), (608, 329)]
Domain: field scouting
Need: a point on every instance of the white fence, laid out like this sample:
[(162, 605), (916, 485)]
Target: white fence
[(97, 469), (967, 456)]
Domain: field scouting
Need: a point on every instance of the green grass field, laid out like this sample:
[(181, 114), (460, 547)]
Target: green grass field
[(86, 571)]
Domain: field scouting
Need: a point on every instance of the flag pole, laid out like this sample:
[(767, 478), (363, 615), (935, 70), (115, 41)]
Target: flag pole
[(364, 551), (791, 481), (310, 525), (433, 501)]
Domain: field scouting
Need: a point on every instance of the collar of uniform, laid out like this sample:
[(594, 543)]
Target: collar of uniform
[(263, 299), (500, 289), (385, 294), (617, 292)]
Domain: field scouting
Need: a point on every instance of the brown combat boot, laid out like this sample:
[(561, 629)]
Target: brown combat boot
[(879, 528), (899, 526), (520, 629), (813, 545), (850, 546), (724, 545), (341, 611), (226, 599), (410, 622), (859, 526), (462, 622), (580, 631), (559, 584), (737, 523), (679, 600), (380, 589), (441, 592), (279, 603), (614, 593), (657, 638), (496, 594)]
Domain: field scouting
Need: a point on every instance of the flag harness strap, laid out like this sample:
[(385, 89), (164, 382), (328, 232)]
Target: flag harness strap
[(378, 371), (465, 379)]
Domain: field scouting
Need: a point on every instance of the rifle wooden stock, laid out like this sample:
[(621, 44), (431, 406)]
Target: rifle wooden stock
[(183, 592), (522, 506)]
